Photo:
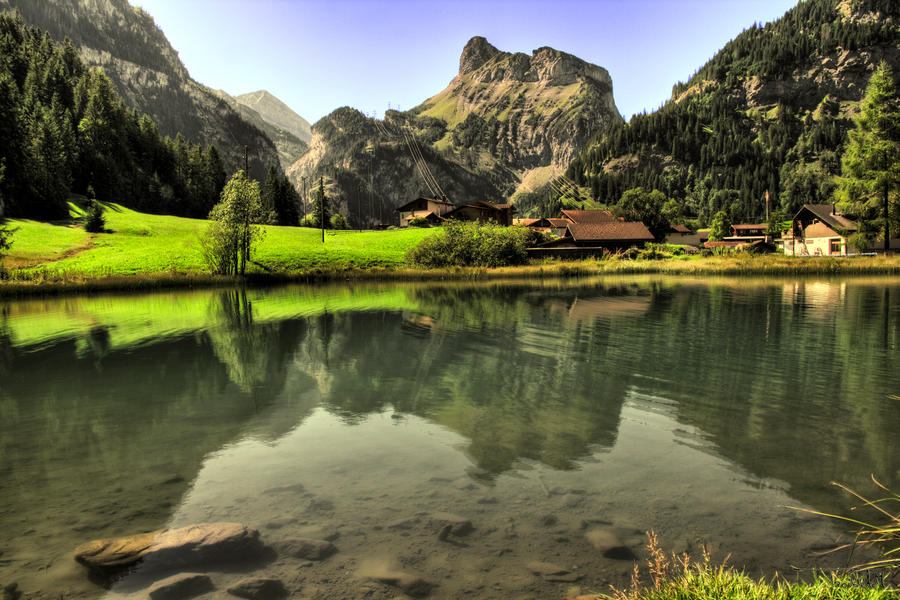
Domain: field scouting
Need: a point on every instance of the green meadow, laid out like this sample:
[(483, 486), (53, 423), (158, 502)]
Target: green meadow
[(142, 244)]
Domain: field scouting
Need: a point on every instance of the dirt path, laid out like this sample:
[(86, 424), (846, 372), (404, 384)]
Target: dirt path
[(20, 262)]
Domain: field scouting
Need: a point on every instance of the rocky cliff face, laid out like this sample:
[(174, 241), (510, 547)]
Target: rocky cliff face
[(148, 74), (368, 168), (503, 118), (526, 111)]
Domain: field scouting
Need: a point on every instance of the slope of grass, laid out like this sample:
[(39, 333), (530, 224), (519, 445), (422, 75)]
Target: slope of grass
[(139, 243)]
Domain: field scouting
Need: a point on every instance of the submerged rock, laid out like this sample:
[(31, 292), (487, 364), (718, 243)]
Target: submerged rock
[(306, 548), (181, 586), (606, 541), (411, 584), (173, 548), (458, 525), (259, 588), (551, 572)]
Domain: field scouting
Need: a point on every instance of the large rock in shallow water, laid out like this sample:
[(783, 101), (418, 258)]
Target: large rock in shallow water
[(173, 548)]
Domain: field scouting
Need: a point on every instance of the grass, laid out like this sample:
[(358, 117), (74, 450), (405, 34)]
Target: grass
[(144, 251), (144, 244), (881, 530), (677, 578)]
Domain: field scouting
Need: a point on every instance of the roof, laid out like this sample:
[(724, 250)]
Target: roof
[(610, 230), (826, 214), (542, 222), (679, 229), (749, 226), (485, 204), (559, 222), (435, 200), (725, 244), (820, 230), (588, 216)]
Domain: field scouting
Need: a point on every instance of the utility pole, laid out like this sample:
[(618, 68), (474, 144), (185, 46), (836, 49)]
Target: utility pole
[(246, 162), (322, 210)]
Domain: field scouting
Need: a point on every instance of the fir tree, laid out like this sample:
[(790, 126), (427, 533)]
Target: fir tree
[(871, 164)]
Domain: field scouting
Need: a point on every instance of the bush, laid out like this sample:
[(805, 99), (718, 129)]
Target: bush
[(339, 221), (472, 245), (419, 222)]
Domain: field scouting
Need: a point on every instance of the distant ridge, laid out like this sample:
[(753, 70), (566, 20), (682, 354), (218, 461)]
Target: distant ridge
[(277, 112)]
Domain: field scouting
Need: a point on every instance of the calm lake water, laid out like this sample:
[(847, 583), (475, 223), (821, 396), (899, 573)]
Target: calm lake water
[(697, 409)]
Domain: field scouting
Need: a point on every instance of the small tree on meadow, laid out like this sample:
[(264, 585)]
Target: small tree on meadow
[(228, 242), (93, 216)]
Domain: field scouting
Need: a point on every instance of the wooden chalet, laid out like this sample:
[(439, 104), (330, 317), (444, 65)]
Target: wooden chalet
[(590, 239), (749, 230), (818, 230), (681, 235), (430, 209), (483, 211)]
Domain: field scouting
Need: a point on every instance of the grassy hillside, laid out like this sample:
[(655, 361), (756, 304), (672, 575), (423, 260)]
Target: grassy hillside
[(139, 243)]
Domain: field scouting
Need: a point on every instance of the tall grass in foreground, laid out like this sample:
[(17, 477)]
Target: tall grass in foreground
[(677, 578), (881, 530)]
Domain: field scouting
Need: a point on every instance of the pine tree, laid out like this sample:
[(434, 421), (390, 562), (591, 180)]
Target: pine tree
[(871, 163), (321, 211)]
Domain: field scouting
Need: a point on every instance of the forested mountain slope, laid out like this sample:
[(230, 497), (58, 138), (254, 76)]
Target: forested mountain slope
[(770, 111), (148, 75), (64, 129)]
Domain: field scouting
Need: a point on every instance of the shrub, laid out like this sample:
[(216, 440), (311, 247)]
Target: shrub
[(472, 245), (339, 221), (419, 222)]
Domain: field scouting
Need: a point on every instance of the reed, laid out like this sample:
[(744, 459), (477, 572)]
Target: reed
[(879, 530)]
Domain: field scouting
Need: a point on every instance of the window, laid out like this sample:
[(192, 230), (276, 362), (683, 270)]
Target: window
[(835, 247)]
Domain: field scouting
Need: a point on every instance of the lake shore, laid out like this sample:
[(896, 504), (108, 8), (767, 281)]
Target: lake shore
[(74, 281)]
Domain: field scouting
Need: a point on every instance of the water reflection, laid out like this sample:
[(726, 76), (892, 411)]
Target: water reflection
[(107, 418)]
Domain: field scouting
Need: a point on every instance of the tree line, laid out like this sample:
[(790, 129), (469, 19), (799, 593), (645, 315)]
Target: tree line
[(65, 130)]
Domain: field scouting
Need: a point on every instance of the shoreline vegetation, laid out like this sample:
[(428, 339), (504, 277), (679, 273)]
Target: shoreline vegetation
[(36, 282)]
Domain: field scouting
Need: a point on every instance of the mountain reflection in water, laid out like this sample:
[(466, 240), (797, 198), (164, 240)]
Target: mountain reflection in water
[(112, 407)]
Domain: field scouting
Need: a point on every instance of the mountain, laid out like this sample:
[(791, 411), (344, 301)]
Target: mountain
[(769, 112), (368, 167), (148, 75), (289, 145), (528, 111), (276, 112), (506, 125)]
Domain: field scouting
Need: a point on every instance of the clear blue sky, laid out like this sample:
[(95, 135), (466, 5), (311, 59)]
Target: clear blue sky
[(318, 55)]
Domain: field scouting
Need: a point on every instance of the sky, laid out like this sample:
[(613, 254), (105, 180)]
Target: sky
[(319, 55)]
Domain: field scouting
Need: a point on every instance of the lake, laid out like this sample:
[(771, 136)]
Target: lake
[(541, 412)]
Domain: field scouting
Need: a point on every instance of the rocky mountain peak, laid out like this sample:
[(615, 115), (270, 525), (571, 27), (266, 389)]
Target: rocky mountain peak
[(476, 52), (545, 65)]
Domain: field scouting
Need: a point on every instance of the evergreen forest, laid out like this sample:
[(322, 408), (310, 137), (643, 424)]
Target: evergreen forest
[(712, 148), (63, 130)]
